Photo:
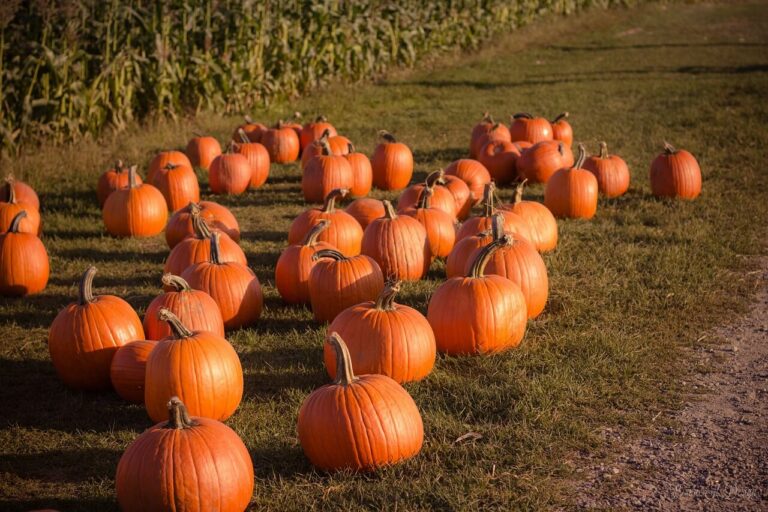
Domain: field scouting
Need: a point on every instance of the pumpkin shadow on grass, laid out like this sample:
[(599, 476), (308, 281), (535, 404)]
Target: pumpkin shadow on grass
[(286, 461), (38, 310), (270, 372), (101, 255), (56, 466), (85, 505)]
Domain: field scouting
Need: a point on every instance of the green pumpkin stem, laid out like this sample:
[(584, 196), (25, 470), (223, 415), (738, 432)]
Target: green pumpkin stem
[(582, 156), (330, 200), (178, 416), (386, 299), (478, 266), (311, 237), (178, 283), (344, 373), (669, 149), (329, 253), (16, 222), (519, 191), (388, 137), (603, 150), (200, 226), (215, 259), (178, 328), (562, 116), (85, 295)]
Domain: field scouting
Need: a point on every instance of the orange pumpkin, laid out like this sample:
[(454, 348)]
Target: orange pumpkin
[(200, 367), (24, 193), (392, 163), (316, 148), (295, 264), (500, 158), (229, 173), (185, 463), (473, 173), (28, 223), (217, 216), (365, 210), (478, 314), (202, 151), (85, 335), (252, 130), (362, 173), (370, 421), (178, 184), (344, 233), (314, 130), (257, 156), (513, 223), (138, 210), (112, 180), (462, 196), (542, 224), (497, 132), (532, 129), (572, 192), (562, 130), (386, 338), (611, 172), (441, 198), (441, 231), (478, 130), (456, 263), (325, 173), (675, 173), (539, 162), (24, 266), (164, 158), (282, 144), (128, 369)]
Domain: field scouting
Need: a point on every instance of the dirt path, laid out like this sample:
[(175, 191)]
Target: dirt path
[(716, 456)]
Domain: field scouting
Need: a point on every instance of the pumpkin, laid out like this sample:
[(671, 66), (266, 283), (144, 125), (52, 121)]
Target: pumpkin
[(344, 233), (197, 248), (257, 157), (519, 262), (295, 263), (282, 144), (362, 173), (473, 173), (399, 244), (317, 148), (392, 163), (24, 266), (252, 130), (324, 174), (202, 151), (368, 421), (500, 158), (337, 282), (295, 125), (572, 192), (441, 198), (85, 335), (478, 314), (28, 223), (479, 129), (384, 337), (185, 464), (532, 129), (111, 180), (195, 308), (229, 173), (233, 286), (542, 224), (562, 130), (441, 231), (461, 195), (314, 130), (138, 210), (128, 369), (456, 262), (24, 193), (199, 367), (539, 162), (675, 173), (497, 132), (513, 223), (365, 210), (611, 172), (180, 225), (178, 184), (164, 158)]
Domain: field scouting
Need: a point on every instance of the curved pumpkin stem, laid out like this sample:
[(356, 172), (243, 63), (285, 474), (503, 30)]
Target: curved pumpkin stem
[(522, 115), (194, 207), (178, 328), (243, 136), (178, 283), (311, 237), (178, 416), (435, 178), (603, 149), (14, 227), (132, 176), (215, 248), (330, 199), (329, 253), (581, 158), (389, 210), (85, 295), (388, 137), (519, 191), (478, 266), (425, 198), (562, 116), (344, 373), (669, 148), (488, 193), (386, 299), (321, 119), (200, 226), (11, 190)]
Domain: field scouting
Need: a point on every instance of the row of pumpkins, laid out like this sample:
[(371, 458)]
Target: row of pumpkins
[(177, 361)]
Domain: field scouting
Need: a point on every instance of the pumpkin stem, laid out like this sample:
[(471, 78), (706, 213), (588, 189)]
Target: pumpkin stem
[(386, 299), (389, 210), (171, 166), (86, 287), (176, 282), (178, 328), (243, 136), (497, 226), (178, 416), (326, 147), (193, 207), (603, 150), (581, 158), (350, 148), (329, 253), (519, 191), (297, 115), (388, 137), (425, 198), (437, 177), (321, 119), (522, 115), (478, 266), (249, 119), (562, 116), (11, 190), (487, 118), (344, 374), (279, 124), (488, 194), (669, 148), (215, 248), (200, 226), (14, 227), (132, 176), (311, 237), (330, 199), (119, 166)]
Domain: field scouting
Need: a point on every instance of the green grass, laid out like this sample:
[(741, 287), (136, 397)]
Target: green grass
[(629, 289)]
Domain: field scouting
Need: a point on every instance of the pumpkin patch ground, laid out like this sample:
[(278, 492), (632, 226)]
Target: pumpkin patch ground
[(634, 293)]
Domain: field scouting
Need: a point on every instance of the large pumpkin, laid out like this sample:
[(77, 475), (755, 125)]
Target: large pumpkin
[(384, 337), (562, 130), (164, 158), (28, 223), (528, 128), (24, 265), (86, 334), (295, 263), (111, 180), (368, 421), (128, 369), (314, 130), (572, 192), (257, 157), (365, 210), (478, 314), (539, 162), (542, 224), (513, 223), (138, 210), (344, 233), (185, 464), (337, 282), (195, 308), (440, 227), (611, 172), (473, 173), (362, 173), (282, 143), (202, 151), (442, 198), (200, 367), (229, 173), (24, 193), (180, 225), (675, 173), (324, 174), (178, 184), (392, 163), (399, 244)]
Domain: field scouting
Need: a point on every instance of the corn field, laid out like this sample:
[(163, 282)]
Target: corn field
[(76, 67)]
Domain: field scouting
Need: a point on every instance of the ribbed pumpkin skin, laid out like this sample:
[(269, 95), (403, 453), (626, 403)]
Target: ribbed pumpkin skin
[(533, 130), (441, 232), (539, 162), (392, 165), (676, 173), (199, 469), (497, 133), (229, 173), (473, 173), (500, 158), (24, 193), (293, 269), (542, 224), (128, 369), (562, 130), (344, 233), (252, 131), (572, 193), (362, 174), (442, 198), (195, 250), (140, 211), (203, 370), (202, 151), (336, 146), (313, 131), (258, 158), (29, 224), (457, 261), (611, 172), (110, 181), (217, 216), (365, 210), (399, 245), (282, 144), (24, 265), (513, 224), (164, 158), (195, 308), (461, 195), (179, 186), (336, 285), (323, 175)]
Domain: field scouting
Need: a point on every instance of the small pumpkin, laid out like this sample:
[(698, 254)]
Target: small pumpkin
[(164, 158), (562, 130), (456, 262), (539, 162), (611, 172), (442, 198), (384, 337), (295, 263), (282, 143), (392, 163), (200, 367), (337, 282), (138, 210), (85, 335), (572, 192), (532, 129), (24, 265), (257, 155), (675, 173), (362, 172), (180, 225), (251, 128), (24, 193), (513, 223), (344, 233), (542, 224), (478, 314), (202, 151), (498, 132), (128, 369), (473, 173), (370, 421), (314, 130), (365, 210), (29, 223), (185, 463), (111, 180), (440, 228), (229, 173), (178, 184), (500, 158), (325, 173)]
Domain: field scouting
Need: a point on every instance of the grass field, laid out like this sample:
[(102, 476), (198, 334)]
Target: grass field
[(629, 289)]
